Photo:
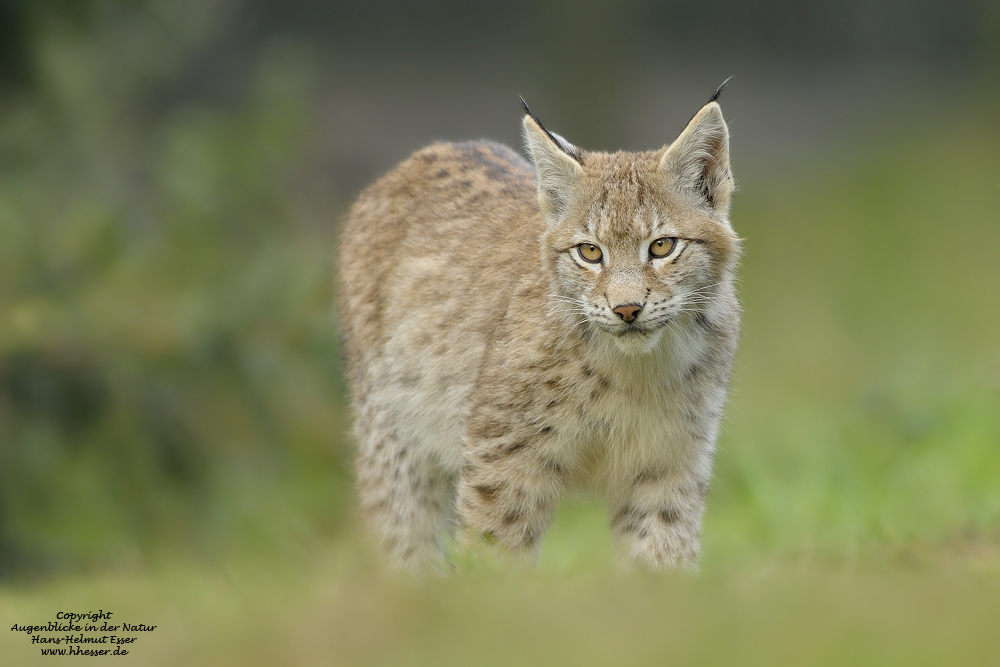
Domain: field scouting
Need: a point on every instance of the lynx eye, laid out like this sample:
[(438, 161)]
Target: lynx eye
[(589, 252), (662, 247)]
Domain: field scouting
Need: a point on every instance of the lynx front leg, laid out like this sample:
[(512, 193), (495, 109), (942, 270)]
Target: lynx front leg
[(657, 521), (407, 500), (509, 490)]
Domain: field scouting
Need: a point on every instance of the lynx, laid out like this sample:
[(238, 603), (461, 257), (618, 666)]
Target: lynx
[(514, 332)]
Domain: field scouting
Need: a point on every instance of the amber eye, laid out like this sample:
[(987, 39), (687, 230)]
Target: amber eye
[(589, 252), (662, 247)]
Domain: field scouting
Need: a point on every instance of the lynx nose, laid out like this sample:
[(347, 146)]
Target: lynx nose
[(628, 312)]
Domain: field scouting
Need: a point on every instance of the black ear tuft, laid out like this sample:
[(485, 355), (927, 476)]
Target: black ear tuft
[(535, 118), (564, 146), (718, 91)]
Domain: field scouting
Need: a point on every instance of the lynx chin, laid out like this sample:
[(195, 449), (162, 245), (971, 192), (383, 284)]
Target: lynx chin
[(514, 332)]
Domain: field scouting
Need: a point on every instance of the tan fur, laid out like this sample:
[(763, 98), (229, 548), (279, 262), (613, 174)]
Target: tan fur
[(489, 372)]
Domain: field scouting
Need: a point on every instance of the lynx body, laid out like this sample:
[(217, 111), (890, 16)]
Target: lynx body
[(516, 332)]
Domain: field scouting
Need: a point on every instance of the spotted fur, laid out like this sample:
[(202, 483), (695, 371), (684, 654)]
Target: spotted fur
[(490, 372)]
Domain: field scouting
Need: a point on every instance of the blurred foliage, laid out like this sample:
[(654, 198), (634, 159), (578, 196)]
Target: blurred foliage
[(23, 23), (167, 358), (821, 30), (932, 33), (864, 407)]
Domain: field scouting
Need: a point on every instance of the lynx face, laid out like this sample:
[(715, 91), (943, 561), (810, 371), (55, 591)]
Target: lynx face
[(634, 244)]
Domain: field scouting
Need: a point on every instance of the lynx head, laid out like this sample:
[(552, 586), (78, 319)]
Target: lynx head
[(637, 243)]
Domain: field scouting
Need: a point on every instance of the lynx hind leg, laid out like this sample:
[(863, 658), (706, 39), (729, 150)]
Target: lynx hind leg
[(407, 500)]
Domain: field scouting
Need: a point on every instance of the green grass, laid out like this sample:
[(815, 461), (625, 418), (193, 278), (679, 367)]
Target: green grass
[(172, 417), (340, 610)]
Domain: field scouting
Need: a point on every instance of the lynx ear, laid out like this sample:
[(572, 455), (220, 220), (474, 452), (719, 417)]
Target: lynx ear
[(557, 163), (699, 157)]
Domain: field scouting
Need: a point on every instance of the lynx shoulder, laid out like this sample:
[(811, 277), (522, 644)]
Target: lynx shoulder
[(513, 332)]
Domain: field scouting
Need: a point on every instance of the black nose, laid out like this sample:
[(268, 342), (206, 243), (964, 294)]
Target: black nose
[(628, 312)]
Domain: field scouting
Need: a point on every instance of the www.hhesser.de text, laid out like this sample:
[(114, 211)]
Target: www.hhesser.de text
[(81, 638)]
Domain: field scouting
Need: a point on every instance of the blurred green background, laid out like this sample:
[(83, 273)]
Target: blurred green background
[(173, 423)]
